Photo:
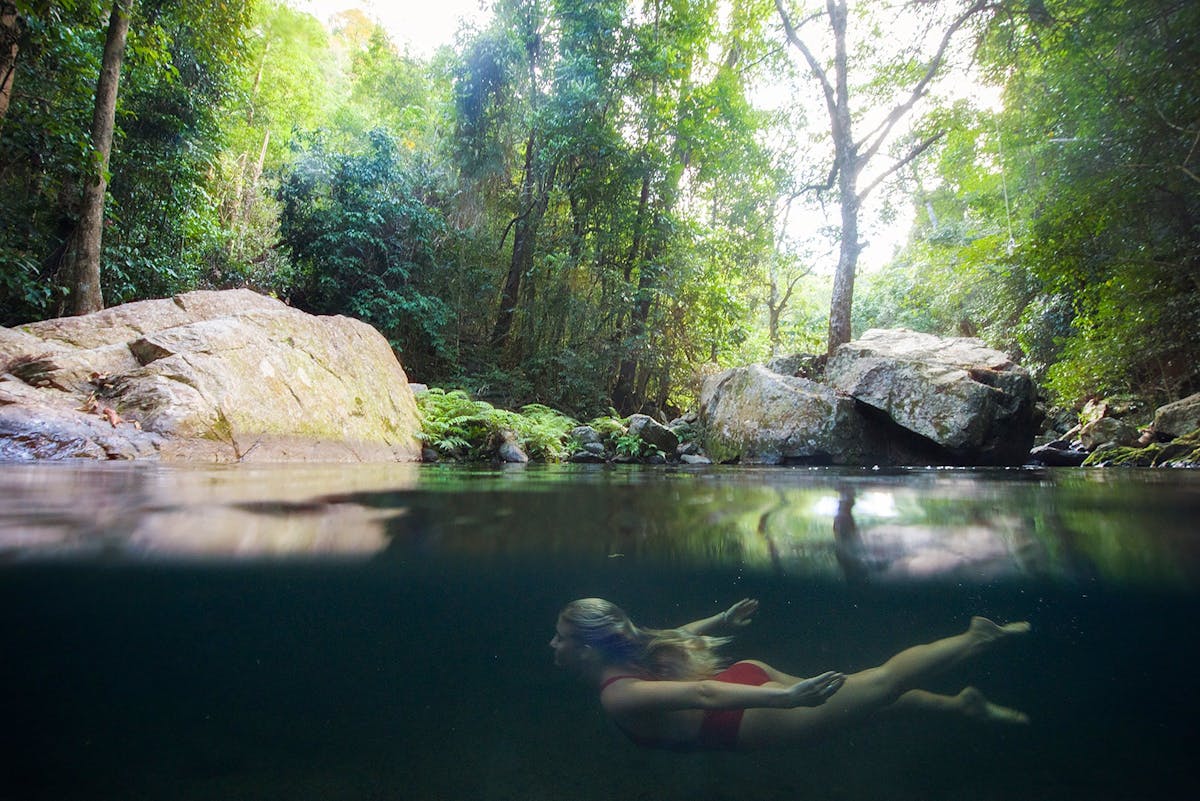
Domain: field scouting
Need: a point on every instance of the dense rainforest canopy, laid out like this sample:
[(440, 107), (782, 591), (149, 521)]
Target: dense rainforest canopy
[(592, 203)]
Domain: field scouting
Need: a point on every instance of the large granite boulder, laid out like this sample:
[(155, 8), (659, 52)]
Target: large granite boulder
[(890, 398), (969, 400), (1178, 418), (214, 376), (756, 416)]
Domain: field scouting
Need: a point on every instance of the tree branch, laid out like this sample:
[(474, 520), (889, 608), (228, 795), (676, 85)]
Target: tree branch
[(1191, 153), (880, 134), (792, 286), (814, 65), (511, 223), (917, 150), (825, 187)]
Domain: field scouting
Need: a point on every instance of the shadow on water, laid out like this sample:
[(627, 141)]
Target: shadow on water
[(381, 633)]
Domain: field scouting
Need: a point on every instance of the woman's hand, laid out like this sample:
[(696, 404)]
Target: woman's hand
[(814, 691), (740, 613), (734, 617)]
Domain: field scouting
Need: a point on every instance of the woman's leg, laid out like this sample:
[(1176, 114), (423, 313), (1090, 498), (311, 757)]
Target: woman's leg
[(870, 690), (970, 703)]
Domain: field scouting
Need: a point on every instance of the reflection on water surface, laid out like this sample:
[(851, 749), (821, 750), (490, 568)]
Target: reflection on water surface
[(379, 632), (853, 526)]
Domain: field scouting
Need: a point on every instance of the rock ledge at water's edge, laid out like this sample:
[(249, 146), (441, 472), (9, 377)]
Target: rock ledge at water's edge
[(892, 397), (204, 376)]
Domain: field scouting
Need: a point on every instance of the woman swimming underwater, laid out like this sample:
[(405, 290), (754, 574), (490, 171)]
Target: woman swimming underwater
[(665, 689)]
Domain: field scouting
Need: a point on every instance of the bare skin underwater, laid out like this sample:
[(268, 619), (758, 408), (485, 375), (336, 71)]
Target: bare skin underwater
[(663, 687)]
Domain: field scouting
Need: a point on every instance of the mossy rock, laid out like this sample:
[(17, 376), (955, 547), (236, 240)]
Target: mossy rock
[(1117, 456), (1181, 452)]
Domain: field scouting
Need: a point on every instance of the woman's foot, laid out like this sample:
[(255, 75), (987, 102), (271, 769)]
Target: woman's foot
[(974, 704), (987, 632)]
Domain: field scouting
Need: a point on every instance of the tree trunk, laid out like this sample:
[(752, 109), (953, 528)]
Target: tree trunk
[(848, 164), (850, 157), (646, 249), (10, 34), (628, 392), (639, 226), (524, 240), (83, 256), (843, 277), (775, 308), (531, 203), (626, 397)]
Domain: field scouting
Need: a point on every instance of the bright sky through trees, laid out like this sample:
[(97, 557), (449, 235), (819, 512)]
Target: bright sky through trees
[(421, 24), (424, 26)]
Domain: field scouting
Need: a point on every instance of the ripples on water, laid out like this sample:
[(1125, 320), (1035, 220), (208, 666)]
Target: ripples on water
[(379, 631)]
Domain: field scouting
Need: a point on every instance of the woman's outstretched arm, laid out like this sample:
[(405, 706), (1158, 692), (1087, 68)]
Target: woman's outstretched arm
[(735, 616), (634, 696)]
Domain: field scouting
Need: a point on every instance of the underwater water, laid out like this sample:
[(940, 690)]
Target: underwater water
[(381, 631)]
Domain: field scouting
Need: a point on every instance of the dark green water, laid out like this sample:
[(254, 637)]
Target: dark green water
[(381, 632)]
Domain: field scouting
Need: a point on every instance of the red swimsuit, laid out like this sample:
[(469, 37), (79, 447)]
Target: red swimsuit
[(719, 728)]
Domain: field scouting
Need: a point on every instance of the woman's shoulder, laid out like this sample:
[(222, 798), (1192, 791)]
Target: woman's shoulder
[(611, 680)]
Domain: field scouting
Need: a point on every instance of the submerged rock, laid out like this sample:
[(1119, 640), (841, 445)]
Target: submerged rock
[(212, 376)]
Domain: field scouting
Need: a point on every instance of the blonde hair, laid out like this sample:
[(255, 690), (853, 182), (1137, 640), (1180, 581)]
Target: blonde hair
[(660, 653)]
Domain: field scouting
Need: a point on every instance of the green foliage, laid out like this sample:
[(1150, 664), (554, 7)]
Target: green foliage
[(457, 426), (1063, 228), (453, 423), (618, 144), (1105, 113), (619, 163), (629, 444), (365, 242), (615, 435), (258, 149), (288, 85), (610, 426), (543, 432), (43, 150), (1116, 340), (161, 227), (959, 276)]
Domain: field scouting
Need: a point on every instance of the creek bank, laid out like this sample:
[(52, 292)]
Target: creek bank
[(1106, 434), (643, 440), (236, 376), (458, 428), (204, 376)]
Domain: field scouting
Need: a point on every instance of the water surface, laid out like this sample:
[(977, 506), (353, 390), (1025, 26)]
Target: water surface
[(380, 631)]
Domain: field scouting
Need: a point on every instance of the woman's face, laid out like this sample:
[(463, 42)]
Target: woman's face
[(568, 650)]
